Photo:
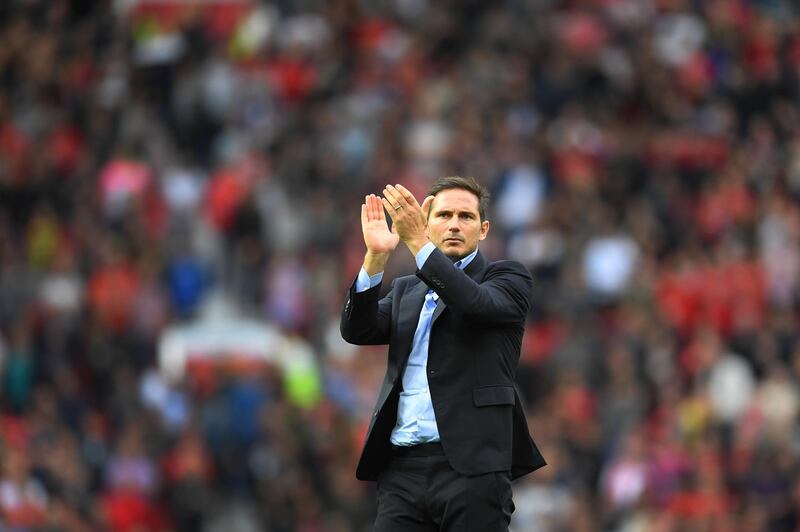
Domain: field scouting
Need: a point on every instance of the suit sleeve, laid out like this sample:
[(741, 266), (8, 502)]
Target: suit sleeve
[(504, 296), (366, 319)]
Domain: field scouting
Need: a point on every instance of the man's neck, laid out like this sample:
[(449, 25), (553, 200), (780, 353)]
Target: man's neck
[(466, 259)]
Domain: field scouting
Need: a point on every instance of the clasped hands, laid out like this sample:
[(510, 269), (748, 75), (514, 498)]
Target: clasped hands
[(409, 220)]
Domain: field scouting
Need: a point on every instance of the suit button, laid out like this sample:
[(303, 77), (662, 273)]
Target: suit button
[(431, 372)]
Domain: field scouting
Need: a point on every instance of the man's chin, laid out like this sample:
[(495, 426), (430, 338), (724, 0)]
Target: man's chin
[(455, 253)]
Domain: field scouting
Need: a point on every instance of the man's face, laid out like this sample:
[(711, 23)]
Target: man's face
[(454, 223)]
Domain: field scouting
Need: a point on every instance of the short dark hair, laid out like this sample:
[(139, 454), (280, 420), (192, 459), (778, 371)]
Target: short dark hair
[(464, 183)]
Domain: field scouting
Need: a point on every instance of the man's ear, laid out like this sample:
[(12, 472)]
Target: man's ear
[(484, 229)]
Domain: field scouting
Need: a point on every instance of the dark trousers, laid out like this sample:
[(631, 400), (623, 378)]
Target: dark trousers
[(419, 491)]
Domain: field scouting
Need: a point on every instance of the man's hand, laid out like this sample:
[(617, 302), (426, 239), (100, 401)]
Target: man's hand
[(409, 218), (380, 241)]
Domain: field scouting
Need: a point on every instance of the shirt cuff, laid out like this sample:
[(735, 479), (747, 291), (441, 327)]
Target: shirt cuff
[(423, 254), (364, 282)]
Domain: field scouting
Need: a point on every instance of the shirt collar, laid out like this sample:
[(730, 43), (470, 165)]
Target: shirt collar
[(463, 263)]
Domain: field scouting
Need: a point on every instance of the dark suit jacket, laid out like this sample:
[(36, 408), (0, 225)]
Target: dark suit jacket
[(473, 353)]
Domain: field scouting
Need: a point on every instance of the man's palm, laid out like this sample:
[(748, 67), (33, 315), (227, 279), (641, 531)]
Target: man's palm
[(377, 236)]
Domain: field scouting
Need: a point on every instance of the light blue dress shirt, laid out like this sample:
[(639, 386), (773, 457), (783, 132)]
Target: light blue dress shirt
[(416, 420)]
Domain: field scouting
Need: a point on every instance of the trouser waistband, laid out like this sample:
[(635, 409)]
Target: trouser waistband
[(423, 449)]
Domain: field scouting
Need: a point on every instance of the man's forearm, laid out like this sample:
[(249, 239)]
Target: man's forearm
[(375, 262), (503, 296)]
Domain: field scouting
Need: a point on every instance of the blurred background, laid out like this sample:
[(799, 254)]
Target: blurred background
[(180, 183)]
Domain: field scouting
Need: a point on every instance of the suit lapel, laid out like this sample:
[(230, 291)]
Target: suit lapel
[(440, 306), (475, 268), (408, 316)]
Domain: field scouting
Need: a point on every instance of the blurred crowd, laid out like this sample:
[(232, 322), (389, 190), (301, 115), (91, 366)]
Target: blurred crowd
[(161, 160)]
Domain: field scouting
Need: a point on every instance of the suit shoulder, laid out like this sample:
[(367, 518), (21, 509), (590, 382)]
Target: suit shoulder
[(508, 266), (404, 281)]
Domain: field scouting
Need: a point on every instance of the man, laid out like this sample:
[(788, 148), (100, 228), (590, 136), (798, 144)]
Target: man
[(448, 432)]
